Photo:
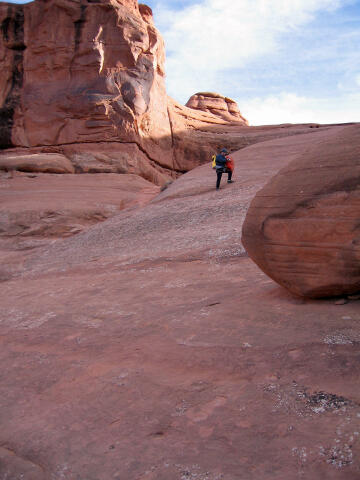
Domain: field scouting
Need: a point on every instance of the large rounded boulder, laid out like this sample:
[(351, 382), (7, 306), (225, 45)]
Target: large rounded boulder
[(303, 228)]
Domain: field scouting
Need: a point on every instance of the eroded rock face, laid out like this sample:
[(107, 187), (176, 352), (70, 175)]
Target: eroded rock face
[(79, 72), (79, 75), (222, 107), (302, 228)]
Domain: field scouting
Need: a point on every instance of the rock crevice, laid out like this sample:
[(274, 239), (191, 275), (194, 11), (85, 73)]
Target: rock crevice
[(12, 30)]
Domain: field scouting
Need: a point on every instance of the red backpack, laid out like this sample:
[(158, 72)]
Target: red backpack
[(230, 163)]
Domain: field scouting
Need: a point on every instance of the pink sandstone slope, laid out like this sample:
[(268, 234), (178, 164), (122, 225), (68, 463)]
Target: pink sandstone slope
[(150, 347)]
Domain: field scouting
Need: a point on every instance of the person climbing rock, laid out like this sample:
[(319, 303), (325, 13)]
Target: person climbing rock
[(223, 164)]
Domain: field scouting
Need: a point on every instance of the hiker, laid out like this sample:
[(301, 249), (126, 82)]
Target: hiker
[(223, 164)]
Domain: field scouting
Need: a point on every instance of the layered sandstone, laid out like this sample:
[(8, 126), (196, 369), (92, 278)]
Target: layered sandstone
[(218, 105), (302, 228)]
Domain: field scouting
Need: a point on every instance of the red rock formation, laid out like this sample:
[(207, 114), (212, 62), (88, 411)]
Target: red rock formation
[(93, 72), (77, 73), (302, 228), (192, 144), (223, 107)]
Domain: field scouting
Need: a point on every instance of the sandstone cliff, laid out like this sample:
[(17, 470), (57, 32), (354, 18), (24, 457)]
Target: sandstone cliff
[(85, 80), (78, 73)]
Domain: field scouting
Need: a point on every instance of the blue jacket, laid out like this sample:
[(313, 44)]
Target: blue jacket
[(220, 161)]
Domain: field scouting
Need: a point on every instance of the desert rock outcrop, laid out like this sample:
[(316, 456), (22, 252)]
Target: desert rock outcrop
[(222, 107), (92, 79), (89, 87), (93, 72), (302, 228)]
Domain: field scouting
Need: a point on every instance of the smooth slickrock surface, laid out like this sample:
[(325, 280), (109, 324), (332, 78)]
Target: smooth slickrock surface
[(302, 228), (150, 347), (223, 107), (62, 205)]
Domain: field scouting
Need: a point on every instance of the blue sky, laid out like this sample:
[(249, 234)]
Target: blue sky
[(281, 60)]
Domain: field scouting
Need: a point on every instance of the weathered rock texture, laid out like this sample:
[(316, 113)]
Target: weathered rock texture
[(223, 107), (36, 162), (79, 72), (303, 229)]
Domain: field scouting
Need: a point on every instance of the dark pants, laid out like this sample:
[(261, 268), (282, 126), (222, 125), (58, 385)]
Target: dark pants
[(219, 175)]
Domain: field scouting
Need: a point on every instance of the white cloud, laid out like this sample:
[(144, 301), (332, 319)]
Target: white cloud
[(291, 108), (215, 35), (248, 48)]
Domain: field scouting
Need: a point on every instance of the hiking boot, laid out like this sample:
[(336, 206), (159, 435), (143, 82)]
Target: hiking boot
[(230, 181)]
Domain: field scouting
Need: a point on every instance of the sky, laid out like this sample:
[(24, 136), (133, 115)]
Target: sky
[(282, 61)]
